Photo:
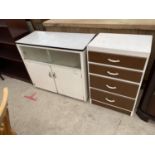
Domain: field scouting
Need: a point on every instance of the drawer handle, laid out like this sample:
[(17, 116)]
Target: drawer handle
[(114, 74), (111, 101), (114, 61), (110, 87)]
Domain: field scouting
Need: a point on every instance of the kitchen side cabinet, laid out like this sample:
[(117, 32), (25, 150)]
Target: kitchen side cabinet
[(57, 61)]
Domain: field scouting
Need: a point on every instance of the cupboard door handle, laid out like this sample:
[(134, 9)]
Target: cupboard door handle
[(114, 74), (114, 61), (111, 101), (50, 75), (110, 87), (54, 75)]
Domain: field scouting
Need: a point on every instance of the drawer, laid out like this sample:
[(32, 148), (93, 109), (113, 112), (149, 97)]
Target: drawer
[(115, 72), (117, 60), (111, 107), (114, 86), (111, 99)]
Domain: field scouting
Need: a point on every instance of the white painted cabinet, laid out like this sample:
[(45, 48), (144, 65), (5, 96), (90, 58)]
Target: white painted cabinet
[(69, 81), (56, 61), (60, 73), (41, 75)]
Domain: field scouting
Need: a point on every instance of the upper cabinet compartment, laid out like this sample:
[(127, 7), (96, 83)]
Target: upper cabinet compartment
[(65, 58), (51, 56), (36, 54)]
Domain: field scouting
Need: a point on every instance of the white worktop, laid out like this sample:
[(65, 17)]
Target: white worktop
[(124, 44), (75, 41)]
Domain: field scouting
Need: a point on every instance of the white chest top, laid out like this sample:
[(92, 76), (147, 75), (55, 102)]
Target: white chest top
[(75, 41), (124, 44)]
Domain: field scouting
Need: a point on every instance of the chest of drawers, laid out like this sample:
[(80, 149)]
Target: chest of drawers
[(116, 67)]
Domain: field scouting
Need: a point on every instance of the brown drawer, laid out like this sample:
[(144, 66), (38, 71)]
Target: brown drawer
[(115, 72), (111, 99), (111, 107), (117, 60), (119, 87)]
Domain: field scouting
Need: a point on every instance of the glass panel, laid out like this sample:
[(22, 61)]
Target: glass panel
[(65, 58), (36, 54)]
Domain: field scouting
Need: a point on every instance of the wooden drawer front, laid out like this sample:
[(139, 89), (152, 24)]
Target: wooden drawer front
[(115, 72), (111, 107), (119, 87), (111, 99), (117, 60)]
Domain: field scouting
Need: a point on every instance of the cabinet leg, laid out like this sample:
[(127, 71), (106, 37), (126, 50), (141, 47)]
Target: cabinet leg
[(142, 115), (1, 76)]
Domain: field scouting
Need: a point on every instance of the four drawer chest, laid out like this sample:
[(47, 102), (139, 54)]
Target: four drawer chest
[(116, 66)]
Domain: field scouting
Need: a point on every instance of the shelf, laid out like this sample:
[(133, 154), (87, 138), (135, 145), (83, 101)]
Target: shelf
[(3, 23), (5, 36), (17, 33), (17, 27), (7, 43), (14, 70), (10, 60), (3, 26), (10, 53), (51, 56), (12, 30), (36, 54)]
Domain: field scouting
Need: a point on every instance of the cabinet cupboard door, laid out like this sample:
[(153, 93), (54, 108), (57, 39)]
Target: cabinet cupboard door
[(68, 81), (40, 74)]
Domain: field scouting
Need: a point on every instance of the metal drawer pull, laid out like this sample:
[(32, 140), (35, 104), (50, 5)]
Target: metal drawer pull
[(114, 74), (111, 101), (110, 87), (114, 61)]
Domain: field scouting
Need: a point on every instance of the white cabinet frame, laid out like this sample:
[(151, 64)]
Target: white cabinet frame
[(80, 86)]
